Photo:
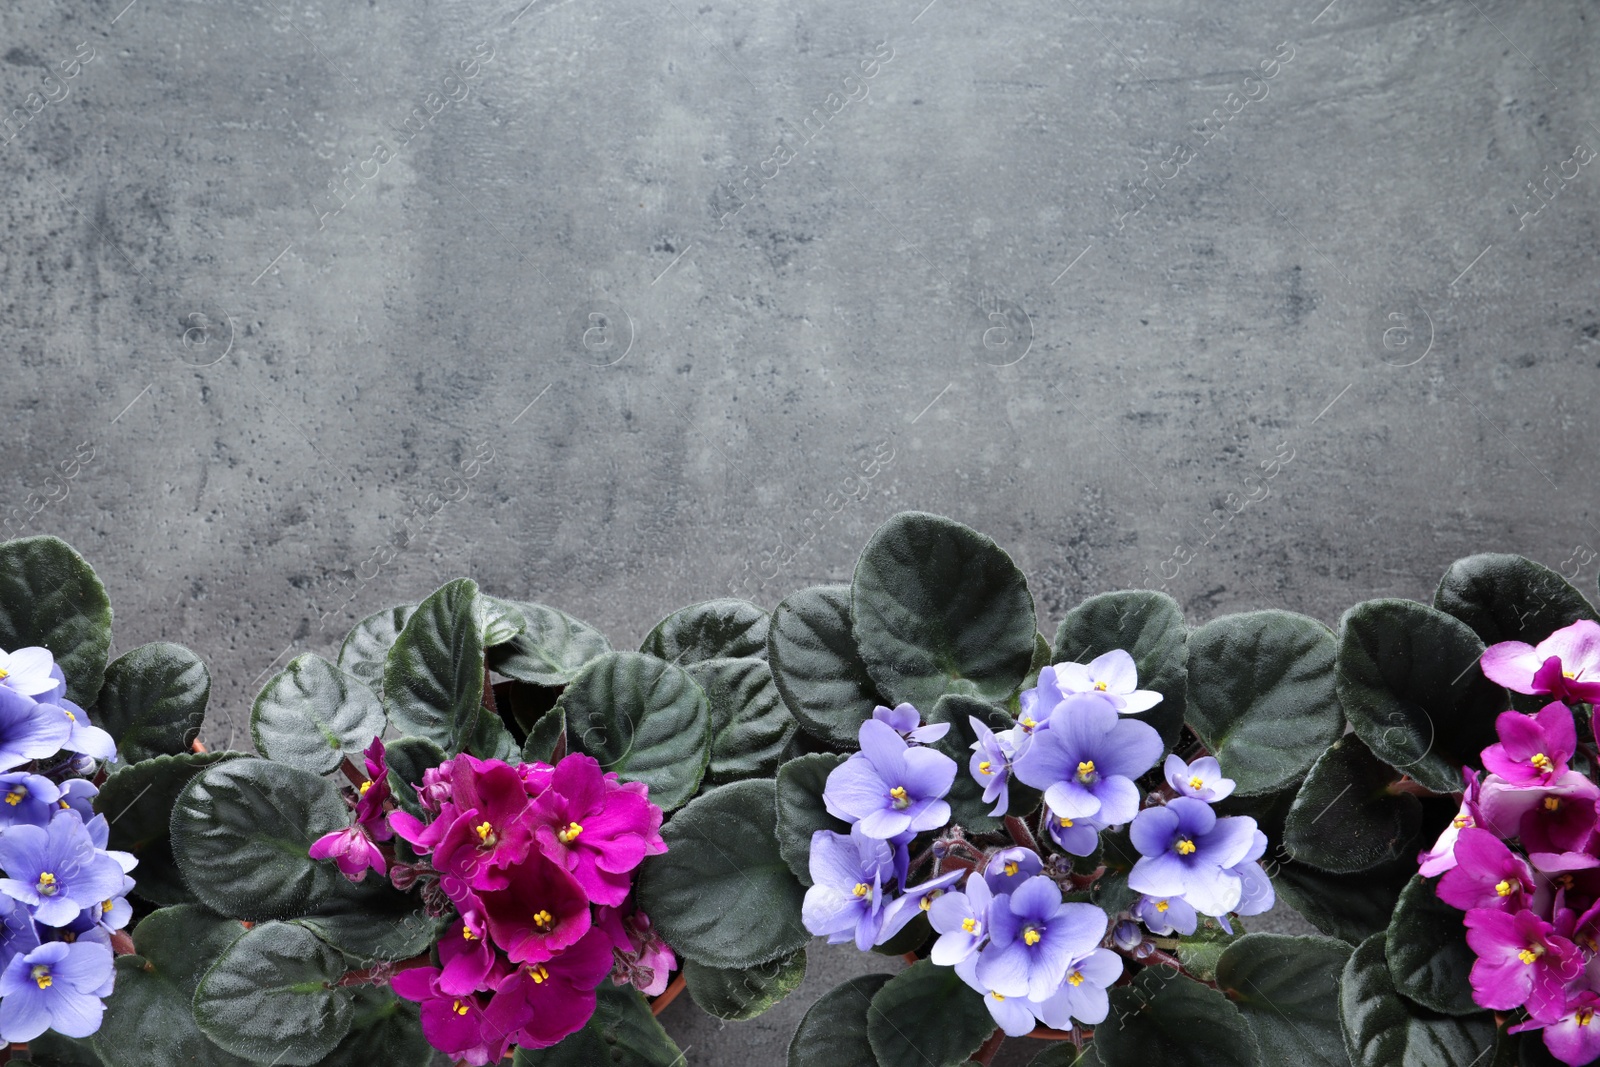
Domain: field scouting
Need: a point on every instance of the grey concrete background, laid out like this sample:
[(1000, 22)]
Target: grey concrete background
[(673, 271)]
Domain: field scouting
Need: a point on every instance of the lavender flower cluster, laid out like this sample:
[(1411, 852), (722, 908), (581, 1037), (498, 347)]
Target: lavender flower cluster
[(63, 893), (1008, 930)]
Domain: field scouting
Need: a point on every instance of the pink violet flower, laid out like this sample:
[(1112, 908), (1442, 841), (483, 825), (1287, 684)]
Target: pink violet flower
[(1574, 1038), (1521, 961), (1441, 857), (1533, 749), (596, 828), (373, 794), (467, 956), (540, 911), (352, 850), (1487, 875), (541, 1003), (1502, 805), (491, 831), (455, 1025), (1574, 674), (642, 958)]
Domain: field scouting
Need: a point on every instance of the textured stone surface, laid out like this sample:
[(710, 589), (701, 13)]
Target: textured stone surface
[(278, 342)]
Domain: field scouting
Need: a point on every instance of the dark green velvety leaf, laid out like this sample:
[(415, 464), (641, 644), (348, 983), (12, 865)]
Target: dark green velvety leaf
[(149, 1020), (801, 812), (722, 894), (433, 678), (240, 831), (1064, 1054), (643, 718), (622, 1032), (1261, 695), (271, 995), (1176, 1022), (385, 1031), (1408, 680), (1344, 818), (1510, 598), (1381, 1029), (51, 597), (817, 668), (154, 700), (314, 716), (498, 620), (736, 995), (1287, 989), (137, 802), (543, 738), (51, 1049), (936, 608), (492, 739), (366, 647), (1426, 946), (927, 1014), (551, 650), (1201, 951), (911, 937), (370, 921), (1149, 627), (408, 757), (750, 724), (833, 1032), (967, 808), (717, 629), (1351, 907)]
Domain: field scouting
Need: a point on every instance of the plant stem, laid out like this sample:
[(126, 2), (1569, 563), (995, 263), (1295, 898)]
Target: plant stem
[(986, 1052)]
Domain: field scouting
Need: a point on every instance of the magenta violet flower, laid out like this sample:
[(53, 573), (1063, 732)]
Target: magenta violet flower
[(642, 958), (890, 786), (596, 828), (467, 958), (1521, 961), (538, 912), (1441, 857), (907, 722), (1502, 805), (541, 1003), (1185, 850), (1574, 1038), (1033, 936), (352, 850), (1487, 875), (1533, 749), (57, 986), (492, 830), (1574, 673), (1087, 760), (453, 1024)]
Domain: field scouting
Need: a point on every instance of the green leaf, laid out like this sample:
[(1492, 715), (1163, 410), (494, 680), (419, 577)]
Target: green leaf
[(912, 936), (722, 894), (1064, 1054), (749, 723), (1351, 907), (154, 700), (737, 995), (433, 678), (498, 620), (370, 921), (967, 808), (137, 801), (273, 994), (717, 629), (1201, 951), (927, 1014), (936, 608), (1510, 598), (1261, 696), (407, 758), (51, 1049), (833, 1032), (1426, 946), (543, 738), (551, 650), (366, 647), (149, 1020), (801, 812), (240, 831), (1344, 818), (1175, 1022), (643, 718), (1409, 681), (492, 739), (50, 597), (1149, 627), (621, 1032), (1382, 1030), (817, 668), (314, 716), (383, 1030), (1287, 989)]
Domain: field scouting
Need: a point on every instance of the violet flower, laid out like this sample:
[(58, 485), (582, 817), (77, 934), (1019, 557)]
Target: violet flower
[(1565, 665), (29, 671), (1441, 857), (962, 922), (1010, 867), (919, 898), (1187, 851), (1014, 1015), (1521, 961), (1082, 996), (596, 828), (1256, 894), (1033, 935), (990, 766), (890, 787), (1078, 837), (27, 798), (1113, 676), (1533, 749), (1164, 915), (353, 851), (57, 986), (1574, 1038), (1087, 760), (82, 735), (57, 870), (1201, 779), (541, 1003), (1502, 805), (26, 732), (455, 1025), (540, 910), (847, 895), (907, 722), (1487, 875)]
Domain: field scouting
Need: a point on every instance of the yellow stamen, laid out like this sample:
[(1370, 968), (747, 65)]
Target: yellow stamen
[(41, 976), (1162, 906), (983, 768), (1552, 803), (4, 674), (1541, 762), (69, 715), (1584, 1015), (927, 901), (47, 884), (862, 889), (1504, 887), (17, 795), (899, 797), (1531, 953), (485, 832), (1186, 847), (1028, 723), (969, 925), (570, 834), (1010, 868), (459, 1008), (998, 996), (1066, 823), (363, 787), (538, 973), (1564, 674), (1076, 978), (1461, 822), (1101, 686), (467, 934), (1563, 881), (1196, 782), (543, 920), (1085, 768), (63, 803), (1031, 936), (105, 906)]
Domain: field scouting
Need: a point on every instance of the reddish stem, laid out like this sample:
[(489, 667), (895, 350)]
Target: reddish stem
[(986, 1052), (1020, 833), (347, 765), (488, 692), (1411, 786), (668, 995)]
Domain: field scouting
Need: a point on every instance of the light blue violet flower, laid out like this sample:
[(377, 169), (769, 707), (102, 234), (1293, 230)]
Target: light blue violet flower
[(57, 870), (57, 986), (848, 894), (907, 720), (1014, 1015), (962, 922), (1087, 761), (1187, 851), (1010, 867), (1201, 779), (1082, 996), (27, 798), (26, 732), (1165, 915), (30, 671), (1113, 676), (1033, 936), (890, 787), (990, 765)]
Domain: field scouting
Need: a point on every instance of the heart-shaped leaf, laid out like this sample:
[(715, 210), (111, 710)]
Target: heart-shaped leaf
[(366, 647), (498, 620), (543, 738), (137, 801), (936, 608), (1382, 1030), (1345, 818), (817, 668), (51, 597), (1175, 1022), (314, 716), (370, 921), (383, 1030), (1261, 695), (153, 700), (240, 832), (1149, 627), (273, 994), (717, 629), (433, 678), (1287, 989), (1351, 907), (622, 1032), (1510, 598), (801, 811), (736, 995), (1409, 681), (833, 1032), (552, 648), (927, 1014), (722, 894), (1426, 945), (750, 724), (643, 718)]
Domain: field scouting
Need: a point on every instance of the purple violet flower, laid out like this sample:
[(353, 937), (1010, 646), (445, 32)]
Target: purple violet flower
[(847, 895), (1033, 936), (29, 671), (57, 986), (1565, 665), (1521, 961), (1533, 749), (57, 870), (890, 787), (1165, 915), (1487, 875), (1441, 857), (962, 921), (990, 765), (1087, 760), (1113, 676), (1187, 851), (1574, 1038), (28, 798), (1082, 996), (26, 732), (906, 721), (1201, 779)]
